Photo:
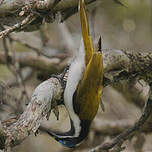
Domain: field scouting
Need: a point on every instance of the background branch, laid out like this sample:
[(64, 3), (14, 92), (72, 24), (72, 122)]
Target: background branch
[(124, 70), (118, 141), (118, 65), (53, 65), (18, 13)]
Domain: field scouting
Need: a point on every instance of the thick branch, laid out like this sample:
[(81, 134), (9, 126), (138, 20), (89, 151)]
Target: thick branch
[(118, 65), (51, 65), (127, 64), (12, 5), (13, 12), (40, 106)]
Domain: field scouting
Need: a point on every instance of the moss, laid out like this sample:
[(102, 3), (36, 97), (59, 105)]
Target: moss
[(5, 74)]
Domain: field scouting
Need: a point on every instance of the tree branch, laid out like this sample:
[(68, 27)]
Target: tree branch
[(17, 26), (118, 65), (118, 141), (14, 12), (29, 121), (52, 65)]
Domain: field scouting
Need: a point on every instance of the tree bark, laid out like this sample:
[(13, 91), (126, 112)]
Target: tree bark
[(13, 12), (118, 65)]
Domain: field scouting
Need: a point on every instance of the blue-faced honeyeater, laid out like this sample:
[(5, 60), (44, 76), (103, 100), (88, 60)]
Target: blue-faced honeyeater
[(83, 88)]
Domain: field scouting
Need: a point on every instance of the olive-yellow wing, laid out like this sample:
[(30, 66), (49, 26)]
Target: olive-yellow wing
[(88, 92)]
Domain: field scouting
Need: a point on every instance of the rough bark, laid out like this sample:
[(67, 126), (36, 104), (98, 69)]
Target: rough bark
[(39, 108), (13, 12), (29, 15), (118, 65)]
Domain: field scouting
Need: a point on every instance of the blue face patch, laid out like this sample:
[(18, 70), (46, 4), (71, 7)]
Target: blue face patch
[(67, 143)]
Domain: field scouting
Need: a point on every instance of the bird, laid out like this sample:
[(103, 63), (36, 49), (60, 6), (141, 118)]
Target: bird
[(82, 94)]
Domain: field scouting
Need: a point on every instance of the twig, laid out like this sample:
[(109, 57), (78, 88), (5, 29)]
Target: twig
[(14, 67), (18, 75), (44, 35), (129, 132), (17, 26), (63, 7), (26, 74)]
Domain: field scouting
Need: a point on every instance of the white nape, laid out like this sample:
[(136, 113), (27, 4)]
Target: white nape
[(75, 74)]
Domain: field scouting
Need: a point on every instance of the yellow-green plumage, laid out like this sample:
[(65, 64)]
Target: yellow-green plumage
[(89, 50), (90, 86), (83, 89)]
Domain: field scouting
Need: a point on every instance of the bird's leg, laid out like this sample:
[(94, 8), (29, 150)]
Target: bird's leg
[(62, 79)]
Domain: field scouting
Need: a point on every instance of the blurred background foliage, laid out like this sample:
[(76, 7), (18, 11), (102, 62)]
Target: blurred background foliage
[(120, 27)]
